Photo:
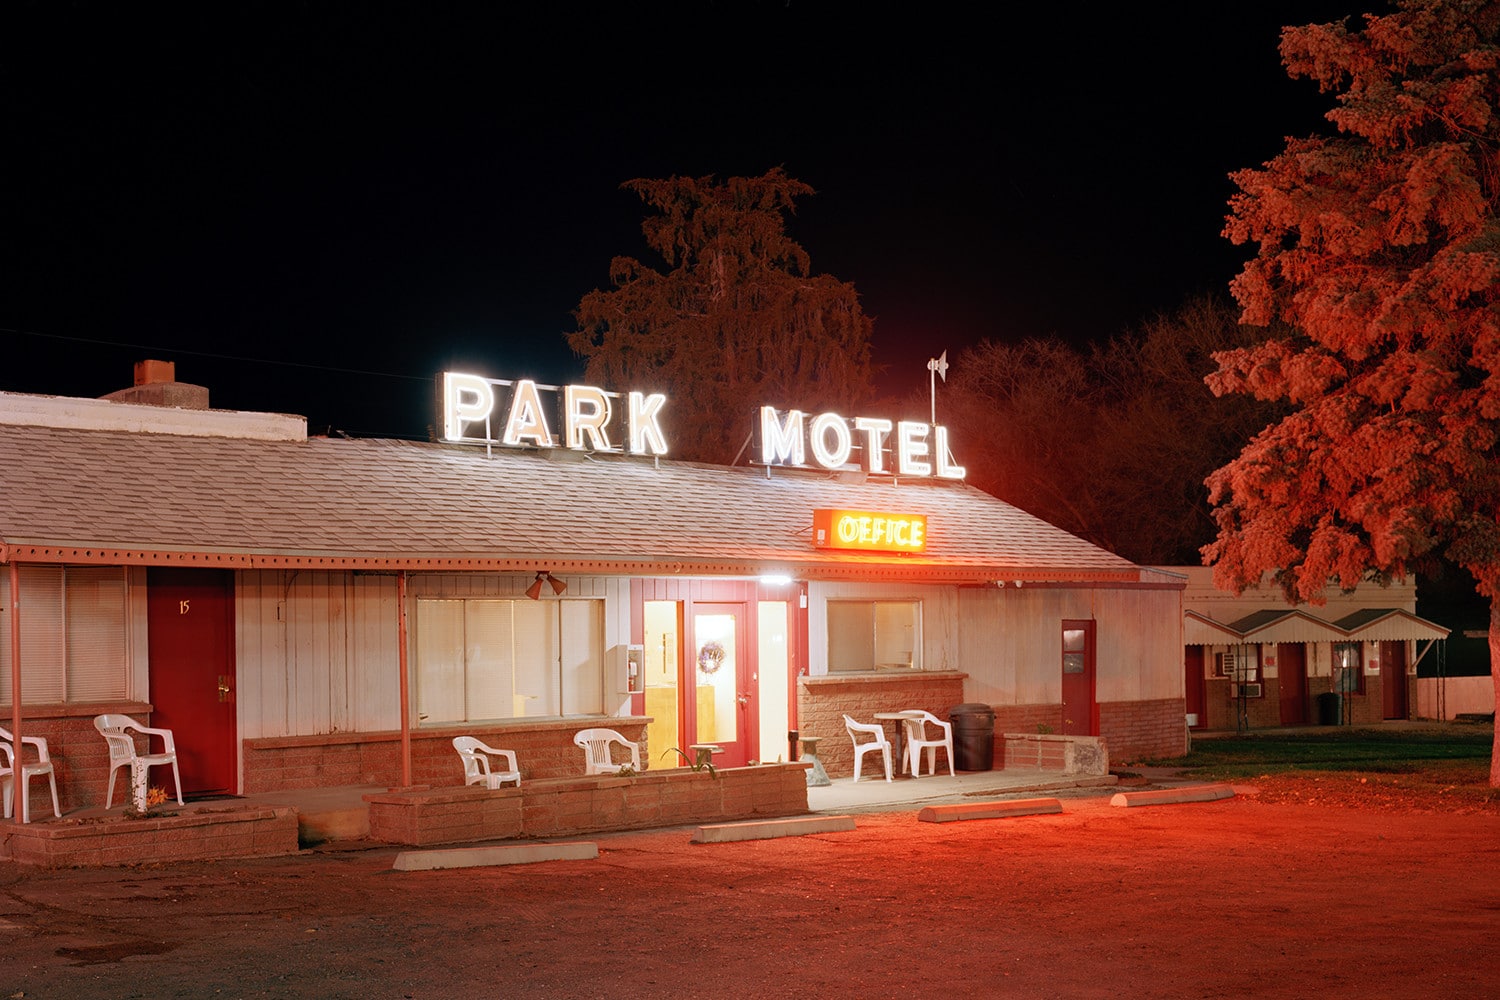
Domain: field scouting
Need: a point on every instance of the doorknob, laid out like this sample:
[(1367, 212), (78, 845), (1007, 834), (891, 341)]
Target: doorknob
[(743, 699), (223, 687)]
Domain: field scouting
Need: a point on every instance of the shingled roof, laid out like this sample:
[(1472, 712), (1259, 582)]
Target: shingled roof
[(126, 497)]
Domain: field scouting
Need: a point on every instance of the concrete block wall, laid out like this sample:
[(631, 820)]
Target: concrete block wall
[(1144, 730), (569, 806), (201, 833), (544, 749), (79, 755), (823, 701)]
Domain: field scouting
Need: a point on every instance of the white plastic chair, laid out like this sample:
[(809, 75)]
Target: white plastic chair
[(916, 741), (116, 730), (39, 767), (597, 755), (880, 743), (476, 758)]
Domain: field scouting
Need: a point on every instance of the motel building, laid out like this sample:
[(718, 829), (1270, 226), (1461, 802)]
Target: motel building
[(313, 612)]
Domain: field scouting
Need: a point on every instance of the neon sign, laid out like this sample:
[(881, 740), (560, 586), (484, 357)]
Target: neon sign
[(474, 411), (869, 530), (920, 450)]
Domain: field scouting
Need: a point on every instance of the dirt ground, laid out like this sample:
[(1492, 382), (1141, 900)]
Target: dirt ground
[(1260, 895)]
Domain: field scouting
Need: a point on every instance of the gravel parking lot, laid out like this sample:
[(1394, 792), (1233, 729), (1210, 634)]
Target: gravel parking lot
[(1250, 896)]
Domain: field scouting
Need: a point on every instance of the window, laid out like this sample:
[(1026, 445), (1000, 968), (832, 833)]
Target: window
[(501, 659), (874, 635), (73, 634), (1348, 667), (1239, 665)]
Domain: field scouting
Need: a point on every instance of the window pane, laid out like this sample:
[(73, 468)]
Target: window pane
[(851, 635), (582, 657), (489, 651), (42, 635), (440, 667), (874, 635), (1074, 640), (96, 633), (536, 658)]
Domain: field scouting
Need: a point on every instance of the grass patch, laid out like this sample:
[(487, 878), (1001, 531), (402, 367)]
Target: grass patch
[(1375, 751)]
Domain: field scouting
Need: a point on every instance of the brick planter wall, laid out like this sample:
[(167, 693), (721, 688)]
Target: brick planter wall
[(568, 806), (196, 834)]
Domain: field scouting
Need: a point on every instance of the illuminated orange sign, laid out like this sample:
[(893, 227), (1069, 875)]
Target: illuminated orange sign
[(869, 530)]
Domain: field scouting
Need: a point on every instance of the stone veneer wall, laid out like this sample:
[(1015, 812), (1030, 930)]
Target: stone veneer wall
[(570, 806), (823, 701)]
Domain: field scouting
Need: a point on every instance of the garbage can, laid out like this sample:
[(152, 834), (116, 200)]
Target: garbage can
[(1329, 710), (973, 737)]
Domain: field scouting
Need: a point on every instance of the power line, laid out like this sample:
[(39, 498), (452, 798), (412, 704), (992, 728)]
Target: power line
[(210, 354)]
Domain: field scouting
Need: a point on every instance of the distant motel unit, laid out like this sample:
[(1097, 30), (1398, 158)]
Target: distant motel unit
[(308, 612), (1253, 660)]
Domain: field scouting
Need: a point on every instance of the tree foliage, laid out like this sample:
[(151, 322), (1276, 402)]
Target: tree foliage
[(1113, 442), (1379, 246), (738, 321)]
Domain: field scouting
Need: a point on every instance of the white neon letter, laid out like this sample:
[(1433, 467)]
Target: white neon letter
[(646, 437), (874, 429), (781, 442), (466, 398), (940, 445), (911, 448), (586, 413), (526, 420), (843, 442)]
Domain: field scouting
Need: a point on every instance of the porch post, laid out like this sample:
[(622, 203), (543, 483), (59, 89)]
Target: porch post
[(17, 784), (405, 700)]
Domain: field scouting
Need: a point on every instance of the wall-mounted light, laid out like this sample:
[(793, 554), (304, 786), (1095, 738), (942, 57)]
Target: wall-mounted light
[(535, 590)]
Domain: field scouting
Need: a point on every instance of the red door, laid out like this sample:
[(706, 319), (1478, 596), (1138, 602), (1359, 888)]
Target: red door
[(721, 698), (1078, 679), (190, 642), (1192, 686), (1291, 672), (1393, 679)]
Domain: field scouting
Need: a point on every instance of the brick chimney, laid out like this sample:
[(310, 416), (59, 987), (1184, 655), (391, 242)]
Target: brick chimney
[(156, 385)]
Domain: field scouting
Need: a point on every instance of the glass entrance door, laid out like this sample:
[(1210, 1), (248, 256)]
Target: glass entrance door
[(723, 697)]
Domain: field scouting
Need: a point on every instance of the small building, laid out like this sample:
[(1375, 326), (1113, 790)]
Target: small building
[(309, 611), (1253, 660)]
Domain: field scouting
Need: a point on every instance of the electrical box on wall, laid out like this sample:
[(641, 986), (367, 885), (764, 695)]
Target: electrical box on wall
[(635, 668)]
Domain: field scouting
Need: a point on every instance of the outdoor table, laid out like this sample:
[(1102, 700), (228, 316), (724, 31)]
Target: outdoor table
[(703, 753), (900, 741)]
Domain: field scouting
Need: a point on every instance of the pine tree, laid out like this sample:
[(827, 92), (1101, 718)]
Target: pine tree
[(738, 322), (1379, 246)]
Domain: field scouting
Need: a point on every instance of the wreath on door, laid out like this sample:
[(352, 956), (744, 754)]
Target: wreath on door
[(711, 657)]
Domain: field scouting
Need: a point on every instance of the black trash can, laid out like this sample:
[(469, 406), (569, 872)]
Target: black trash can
[(1329, 709), (973, 737)]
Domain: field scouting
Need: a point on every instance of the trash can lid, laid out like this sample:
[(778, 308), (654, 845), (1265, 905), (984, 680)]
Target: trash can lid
[(971, 708)]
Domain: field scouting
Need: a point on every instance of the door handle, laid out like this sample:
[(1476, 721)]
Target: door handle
[(743, 699), (223, 687)]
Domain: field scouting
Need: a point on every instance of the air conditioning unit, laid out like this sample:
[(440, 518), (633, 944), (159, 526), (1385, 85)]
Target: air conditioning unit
[(1248, 691)]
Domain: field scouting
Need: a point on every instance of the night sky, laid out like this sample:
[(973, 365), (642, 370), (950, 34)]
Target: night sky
[(315, 207)]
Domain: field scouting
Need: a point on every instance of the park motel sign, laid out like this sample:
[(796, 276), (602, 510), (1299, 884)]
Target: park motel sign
[(485, 411)]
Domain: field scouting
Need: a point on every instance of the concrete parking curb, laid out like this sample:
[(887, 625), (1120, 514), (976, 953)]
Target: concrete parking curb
[(988, 810), (475, 857), (724, 833), (1168, 796)]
